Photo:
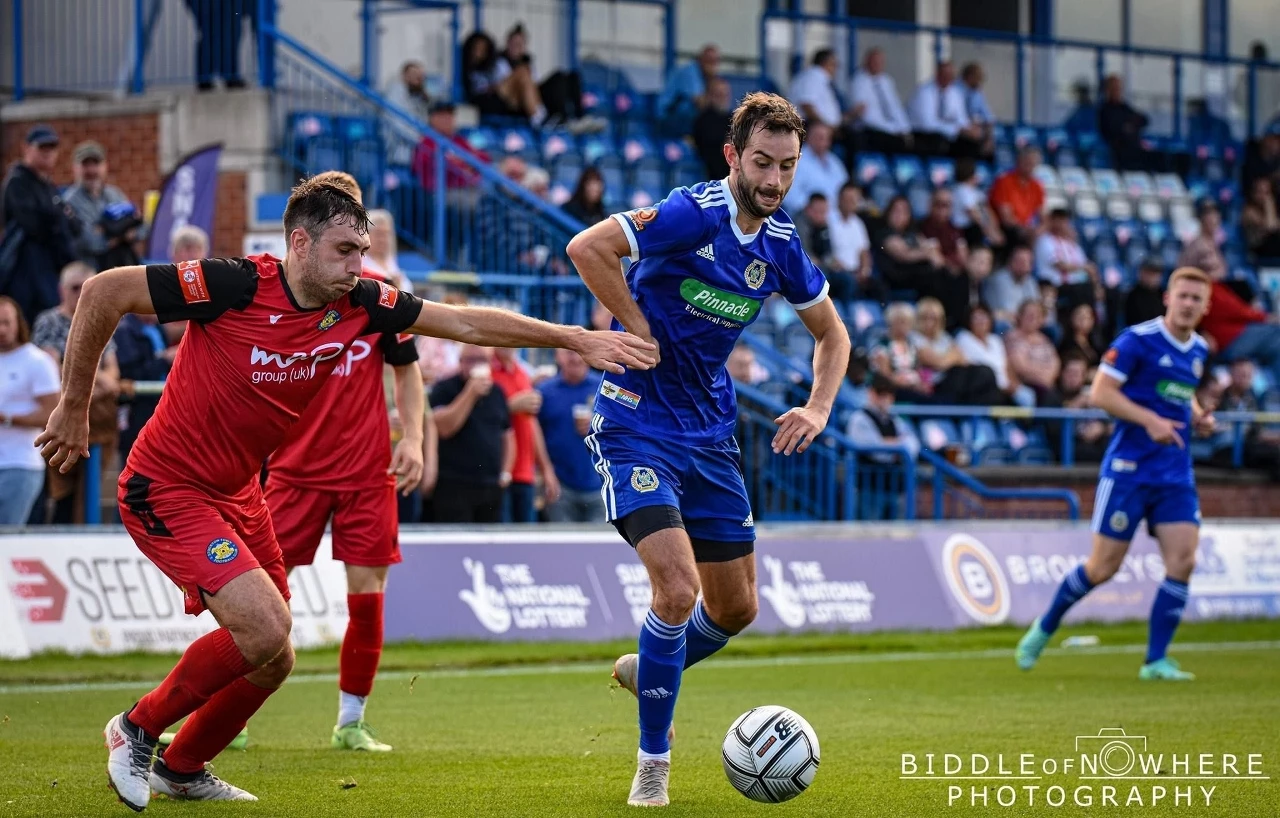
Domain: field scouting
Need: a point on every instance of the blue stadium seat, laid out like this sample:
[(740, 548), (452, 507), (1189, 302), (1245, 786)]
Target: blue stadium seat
[(566, 170), (1074, 181), (869, 167), (650, 173), (866, 314), (322, 153), (365, 161), (1055, 141), (994, 456), (983, 175), (941, 172), (520, 142), (938, 433), (558, 143), (687, 174), (1105, 253), (596, 147), (882, 190), (636, 148), (918, 195), (1026, 135), (907, 169), (797, 342), (356, 127), (1170, 251), (1005, 157), (614, 179), (674, 151)]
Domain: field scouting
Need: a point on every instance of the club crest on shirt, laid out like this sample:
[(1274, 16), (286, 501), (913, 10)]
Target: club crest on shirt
[(641, 217), (1197, 367), (330, 318), (194, 288), (1111, 356), (754, 274), (643, 479), (221, 551), (1119, 521)]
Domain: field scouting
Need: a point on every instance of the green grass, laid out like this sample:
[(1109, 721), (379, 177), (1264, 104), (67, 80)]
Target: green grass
[(536, 730)]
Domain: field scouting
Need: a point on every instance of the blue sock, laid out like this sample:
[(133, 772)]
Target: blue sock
[(662, 651), (1166, 613), (1073, 588), (704, 637)]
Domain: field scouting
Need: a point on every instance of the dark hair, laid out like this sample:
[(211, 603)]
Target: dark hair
[(319, 203), (816, 197), (882, 384), (848, 185), (969, 69), (1074, 355), (966, 169), (981, 308), (579, 198), (822, 55), (488, 62), (24, 329), (1060, 213), (763, 111)]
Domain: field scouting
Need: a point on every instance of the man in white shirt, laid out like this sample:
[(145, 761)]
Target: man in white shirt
[(813, 91), (818, 171), (1061, 261), (850, 246), (939, 117), (28, 394), (883, 124)]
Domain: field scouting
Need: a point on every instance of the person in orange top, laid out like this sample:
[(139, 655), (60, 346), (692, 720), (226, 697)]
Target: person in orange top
[(1018, 198), (1236, 330), (523, 402)]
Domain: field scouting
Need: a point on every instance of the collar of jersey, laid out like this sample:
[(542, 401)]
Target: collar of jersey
[(1168, 336), (743, 238), (284, 283)]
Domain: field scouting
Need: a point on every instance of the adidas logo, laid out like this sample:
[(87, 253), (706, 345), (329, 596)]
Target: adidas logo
[(657, 693), (708, 252), (750, 522), (1166, 361)]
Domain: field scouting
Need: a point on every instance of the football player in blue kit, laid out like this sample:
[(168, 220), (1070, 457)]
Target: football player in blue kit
[(1147, 381), (703, 261)]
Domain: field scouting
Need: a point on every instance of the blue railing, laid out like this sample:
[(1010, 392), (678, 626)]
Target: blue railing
[(1021, 69), (959, 495)]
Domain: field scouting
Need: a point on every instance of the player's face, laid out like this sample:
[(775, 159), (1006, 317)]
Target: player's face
[(764, 171), (333, 262), (1186, 303)]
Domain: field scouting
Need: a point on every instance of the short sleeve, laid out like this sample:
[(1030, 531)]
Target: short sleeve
[(390, 310), (1122, 358), (444, 392), (201, 290), (501, 410), (676, 224), (398, 349), (803, 284), (44, 374)]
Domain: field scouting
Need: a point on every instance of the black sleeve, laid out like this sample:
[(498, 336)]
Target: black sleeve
[(398, 350), (504, 413), (201, 290), (444, 392), (390, 310)]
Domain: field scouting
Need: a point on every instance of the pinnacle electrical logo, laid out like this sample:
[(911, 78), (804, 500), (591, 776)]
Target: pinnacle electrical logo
[(1109, 769)]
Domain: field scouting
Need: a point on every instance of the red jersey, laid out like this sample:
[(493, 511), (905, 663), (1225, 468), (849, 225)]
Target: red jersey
[(513, 381), (249, 364), (351, 403)]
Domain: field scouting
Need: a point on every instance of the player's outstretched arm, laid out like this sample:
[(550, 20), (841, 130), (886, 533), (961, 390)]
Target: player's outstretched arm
[(1106, 395), (798, 428), (486, 326), (104, 300), (598, 252)]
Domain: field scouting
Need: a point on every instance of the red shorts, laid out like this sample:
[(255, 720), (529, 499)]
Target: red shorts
[(366, 525), (199, 541)]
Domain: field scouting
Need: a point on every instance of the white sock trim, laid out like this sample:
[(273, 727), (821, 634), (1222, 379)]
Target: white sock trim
[(350, 708), (641, 755)]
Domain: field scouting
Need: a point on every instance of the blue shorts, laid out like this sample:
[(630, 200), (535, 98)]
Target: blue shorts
[(1118, 506), (704, 482)]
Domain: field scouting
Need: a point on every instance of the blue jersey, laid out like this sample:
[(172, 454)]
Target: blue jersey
[(1160, 373), (699, 281)]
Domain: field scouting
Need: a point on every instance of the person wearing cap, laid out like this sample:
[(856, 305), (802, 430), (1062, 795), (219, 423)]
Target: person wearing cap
[(39, 230), (89, 198)]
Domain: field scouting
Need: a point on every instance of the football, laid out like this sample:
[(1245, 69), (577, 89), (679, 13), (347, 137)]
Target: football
[(770, 754)]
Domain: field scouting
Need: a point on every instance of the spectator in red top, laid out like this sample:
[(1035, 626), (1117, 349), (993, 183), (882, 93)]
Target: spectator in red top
[(1018, 198), (1237, 331), (523, 404), (937, 225), (458, 174)]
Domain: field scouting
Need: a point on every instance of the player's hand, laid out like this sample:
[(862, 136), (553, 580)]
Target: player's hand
[(527, 402), (797, 429), (1205, 425), (65, 439), (1165, 431), (617, 352), (550, 487), (406, 465)]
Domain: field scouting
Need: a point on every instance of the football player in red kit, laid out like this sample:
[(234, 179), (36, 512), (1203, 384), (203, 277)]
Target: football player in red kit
[(263, 337)]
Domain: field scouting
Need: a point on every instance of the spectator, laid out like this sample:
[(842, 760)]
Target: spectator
[(982, 347), (587, 202), (53, 325), (1090, 435), (477, 448), (1018, 198), (438, 357), (951, 378), (1121, 127), (851, 249), (1082, 339), (958, 290), (1204, 251), (507, 234), (905, 259), (938, 227), (557, 99), (876, 425), (939, 122), (409, 91), (1259, 222), (143, 353), (686, 93), (495, 86), (565, 419), (814, 229), (188, 243), (1145, 300), (981, 118), (897, 356), (883, 124), (89, 198), (459, 175), (1061, 261), (1032, 359), (601, 318), (40, 228), (743, 367), (1007, 289), (1262, 159), (1049, 301), (218, 29), (28, 394), (1236, 330), (818, 171), (523, 405), (711, 128), (1204, 127), (971, 213), (814, 92), (1083, 119), (382, 256), (1261, 444)]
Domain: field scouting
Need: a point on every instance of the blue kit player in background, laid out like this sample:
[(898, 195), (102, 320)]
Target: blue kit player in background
[(703, 262), (1147, 381)]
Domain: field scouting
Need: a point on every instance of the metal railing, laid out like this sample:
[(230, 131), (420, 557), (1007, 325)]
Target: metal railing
[(959, 495)]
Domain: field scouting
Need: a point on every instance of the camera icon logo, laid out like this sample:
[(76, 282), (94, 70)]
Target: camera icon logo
[(1116, 752)]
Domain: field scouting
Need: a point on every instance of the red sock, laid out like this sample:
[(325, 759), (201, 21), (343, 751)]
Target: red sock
[(211, 728), (211, 663), (362, 645)]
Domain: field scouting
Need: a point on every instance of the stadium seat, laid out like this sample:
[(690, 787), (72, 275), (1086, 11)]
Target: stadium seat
[(1138, 184), (994, 456), (938, 433), (596, 147), (941, 172), (1056, 201), (797, 342), (1055, 141), (1075, 181), (649, 173), (366, 161), (1150, 210), (882, 190), (1105, 252), (1170, 186), (907, 170), (1025, 136), (983, 175), (558, 143), (866, 314), (1005, 157), (1106, 182), (918, 194), (1048, 178), (870, 167), (567, 169), (1066, 157), (1170, 251), (637, 148), (322, 153)]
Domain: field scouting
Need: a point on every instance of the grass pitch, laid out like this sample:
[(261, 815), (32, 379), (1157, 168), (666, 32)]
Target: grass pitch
[(537, 730)]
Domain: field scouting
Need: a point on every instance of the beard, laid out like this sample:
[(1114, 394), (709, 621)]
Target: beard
[(748, 202)]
